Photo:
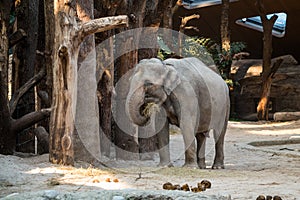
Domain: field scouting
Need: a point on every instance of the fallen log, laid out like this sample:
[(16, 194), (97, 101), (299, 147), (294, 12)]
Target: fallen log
[(286, 116)]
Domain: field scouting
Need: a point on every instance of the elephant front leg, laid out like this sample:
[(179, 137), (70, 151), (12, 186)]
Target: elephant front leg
[(201, 141), (164, 146), (190, 148), (190, 155)]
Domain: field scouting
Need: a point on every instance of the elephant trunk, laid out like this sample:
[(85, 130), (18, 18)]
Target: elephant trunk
[(135, 103)]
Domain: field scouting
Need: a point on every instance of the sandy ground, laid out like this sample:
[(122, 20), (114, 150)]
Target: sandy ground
[(249, 171)]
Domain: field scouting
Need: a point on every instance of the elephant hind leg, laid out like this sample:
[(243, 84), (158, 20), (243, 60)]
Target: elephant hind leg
[(201, 141), (219, 146), (219, 152), (219, 136)]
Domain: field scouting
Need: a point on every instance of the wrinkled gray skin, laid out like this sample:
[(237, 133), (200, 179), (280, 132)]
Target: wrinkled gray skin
[(195, 98)]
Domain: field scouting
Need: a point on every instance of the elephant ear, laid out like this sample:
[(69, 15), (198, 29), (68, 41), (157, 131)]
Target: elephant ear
[(172, 80)]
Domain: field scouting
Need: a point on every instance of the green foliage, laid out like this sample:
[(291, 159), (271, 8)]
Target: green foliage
[(190, 48), (222, 59), (207, 50)]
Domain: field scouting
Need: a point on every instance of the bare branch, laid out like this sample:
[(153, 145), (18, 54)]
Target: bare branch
[(275, 67), (240, 55), (261, 10), (263, 14), (21, 91), (273, 19), (103, 24), (185, 20), (191, 27), (16, 37), (29, 120)]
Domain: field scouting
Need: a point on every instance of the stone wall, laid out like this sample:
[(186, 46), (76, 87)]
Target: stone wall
[(285, 90)]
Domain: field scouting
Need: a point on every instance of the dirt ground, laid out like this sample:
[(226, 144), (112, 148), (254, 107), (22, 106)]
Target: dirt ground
[(249, 170)]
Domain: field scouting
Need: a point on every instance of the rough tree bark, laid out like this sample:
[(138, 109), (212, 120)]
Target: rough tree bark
[(128, 147), (27, 14), (49, 42), (142, 14), (225, 36), (154, 14), (268, 71), (69, 34), (9, 126), (7, 140), (105, 73), (87, 139)]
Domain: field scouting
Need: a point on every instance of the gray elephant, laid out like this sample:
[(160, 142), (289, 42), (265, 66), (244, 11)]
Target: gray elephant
[(195, 99)]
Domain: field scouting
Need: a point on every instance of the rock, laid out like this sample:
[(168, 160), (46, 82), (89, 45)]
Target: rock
[(118, 198), (50, 194), (118, 195)]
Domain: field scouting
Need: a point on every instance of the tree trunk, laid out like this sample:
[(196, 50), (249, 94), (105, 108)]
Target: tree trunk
[(7, 140), (27, 13), (268, 72), (143, 14), (105, 86), (225, 37), (127, 143), (262, 108), (68, 37), (87, 139), (153, 18), (49, 43), (105, 74), (167, 23), (65, 81)]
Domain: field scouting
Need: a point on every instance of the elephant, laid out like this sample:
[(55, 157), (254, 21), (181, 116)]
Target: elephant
[(194, 97)]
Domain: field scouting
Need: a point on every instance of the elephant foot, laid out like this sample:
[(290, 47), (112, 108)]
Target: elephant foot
[(218, 166), (147, 156), (201, 164), (165, 164), (192, 165)]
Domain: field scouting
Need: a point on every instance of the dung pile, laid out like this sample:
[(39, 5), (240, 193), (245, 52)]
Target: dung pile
[(201, 186)]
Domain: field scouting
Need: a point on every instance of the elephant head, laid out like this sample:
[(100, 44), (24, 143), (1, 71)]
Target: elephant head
[(151, 81)]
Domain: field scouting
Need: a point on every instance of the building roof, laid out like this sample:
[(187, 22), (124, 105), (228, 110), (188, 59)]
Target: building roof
[(193, 4), (209, 23)]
